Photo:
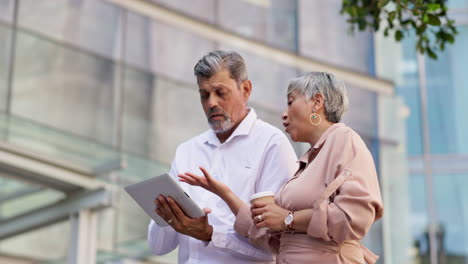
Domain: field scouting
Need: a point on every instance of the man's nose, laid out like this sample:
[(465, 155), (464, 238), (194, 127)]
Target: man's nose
[(211, 102)]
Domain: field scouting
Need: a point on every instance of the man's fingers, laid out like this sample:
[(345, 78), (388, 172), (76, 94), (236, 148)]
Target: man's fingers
[(162, 209), (178, 213), (206, 210), (167, 209)]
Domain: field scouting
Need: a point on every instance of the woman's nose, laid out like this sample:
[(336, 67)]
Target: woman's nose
[(284, 116)]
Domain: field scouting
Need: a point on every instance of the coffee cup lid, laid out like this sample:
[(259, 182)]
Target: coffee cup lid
[(261, 194)]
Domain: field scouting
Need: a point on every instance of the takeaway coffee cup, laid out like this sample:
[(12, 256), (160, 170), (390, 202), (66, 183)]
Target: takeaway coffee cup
[(268, 196)]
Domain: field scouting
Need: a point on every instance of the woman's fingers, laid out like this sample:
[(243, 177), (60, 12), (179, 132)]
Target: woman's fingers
[(259, 204), (189, 174), (205, 172), (187, 179), (257, 211), (193, 178)]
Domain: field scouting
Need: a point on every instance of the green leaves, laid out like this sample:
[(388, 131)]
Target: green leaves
[(431, 19), (392, 15), (382, 3), (398, 35), (432, 7), (400, 18)]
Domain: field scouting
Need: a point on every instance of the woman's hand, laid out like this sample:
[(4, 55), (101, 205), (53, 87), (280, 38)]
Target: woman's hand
[(268, 214), (206, 181)]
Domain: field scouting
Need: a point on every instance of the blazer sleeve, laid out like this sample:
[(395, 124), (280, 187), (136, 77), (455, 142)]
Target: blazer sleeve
[(349, 212)]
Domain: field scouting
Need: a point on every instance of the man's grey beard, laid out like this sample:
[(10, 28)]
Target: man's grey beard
[(220, 126)]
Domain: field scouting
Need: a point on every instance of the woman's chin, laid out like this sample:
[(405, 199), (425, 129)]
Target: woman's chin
[(292, 136)]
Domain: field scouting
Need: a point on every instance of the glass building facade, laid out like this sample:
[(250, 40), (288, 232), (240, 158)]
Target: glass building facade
[(97, 94), (435, 92)]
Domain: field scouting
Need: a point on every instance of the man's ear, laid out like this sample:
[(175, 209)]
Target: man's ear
[(246, 89)]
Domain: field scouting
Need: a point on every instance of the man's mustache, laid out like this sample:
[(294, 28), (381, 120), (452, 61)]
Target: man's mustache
[(217, 111)]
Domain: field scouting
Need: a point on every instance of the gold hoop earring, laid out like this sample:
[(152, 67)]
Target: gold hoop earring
[(313, 119)]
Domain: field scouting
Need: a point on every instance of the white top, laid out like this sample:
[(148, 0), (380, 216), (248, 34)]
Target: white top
[(257, 157)]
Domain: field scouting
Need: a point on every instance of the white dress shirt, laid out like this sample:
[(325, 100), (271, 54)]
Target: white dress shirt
[(256, 157)]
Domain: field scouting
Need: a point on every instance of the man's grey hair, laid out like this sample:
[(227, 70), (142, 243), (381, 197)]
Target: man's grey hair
[(333, 91), (219, 60)]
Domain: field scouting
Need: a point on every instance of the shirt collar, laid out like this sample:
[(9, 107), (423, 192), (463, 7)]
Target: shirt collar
[(305, 157), (243, 129)]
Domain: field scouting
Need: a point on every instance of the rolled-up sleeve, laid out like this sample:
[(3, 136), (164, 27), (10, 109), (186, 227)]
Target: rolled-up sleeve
[(349, 213)]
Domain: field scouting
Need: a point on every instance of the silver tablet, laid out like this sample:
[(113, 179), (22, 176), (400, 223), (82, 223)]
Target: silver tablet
[(145, 192)]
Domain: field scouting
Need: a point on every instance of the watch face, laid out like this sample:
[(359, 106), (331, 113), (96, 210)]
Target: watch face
[(289, 219)]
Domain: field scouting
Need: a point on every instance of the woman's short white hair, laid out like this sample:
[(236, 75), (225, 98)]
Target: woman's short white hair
[(333, 91)]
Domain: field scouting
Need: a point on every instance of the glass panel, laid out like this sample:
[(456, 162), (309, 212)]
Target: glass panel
[(40, 245), (451, 199), (87, 24), (155, 117), (17, 198), (270, 21), (5, 53), (200, 9), (457, 3), (29, 202), (332, 43), (361, 115), (51, 144), (64, 88), (393, 176), (419, 218), (408, 88), (163, 49), (8, 188), (447, 93), (269, 82), (6, 11)]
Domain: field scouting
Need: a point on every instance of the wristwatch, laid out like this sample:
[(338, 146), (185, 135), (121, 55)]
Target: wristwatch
[(288, 221)]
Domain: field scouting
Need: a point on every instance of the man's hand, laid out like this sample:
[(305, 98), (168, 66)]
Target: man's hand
[(170, 211)]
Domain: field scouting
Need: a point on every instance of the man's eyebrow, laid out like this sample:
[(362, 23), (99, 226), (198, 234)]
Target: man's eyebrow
[(219, 86)]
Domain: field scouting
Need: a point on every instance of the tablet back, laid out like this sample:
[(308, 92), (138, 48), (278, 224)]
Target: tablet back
[(146, 192)]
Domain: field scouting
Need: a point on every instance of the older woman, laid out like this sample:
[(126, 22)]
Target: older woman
[(326, 208)]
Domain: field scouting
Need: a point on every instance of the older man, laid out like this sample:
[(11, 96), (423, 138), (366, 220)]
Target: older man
[(241, 150)]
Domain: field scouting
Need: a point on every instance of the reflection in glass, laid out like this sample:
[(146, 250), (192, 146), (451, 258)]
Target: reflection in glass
[(408, 88), (419, 217), (63, 88), (451, 200), (447, 92)]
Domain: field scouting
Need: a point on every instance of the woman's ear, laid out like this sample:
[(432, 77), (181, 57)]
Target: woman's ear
[(318, 101)]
